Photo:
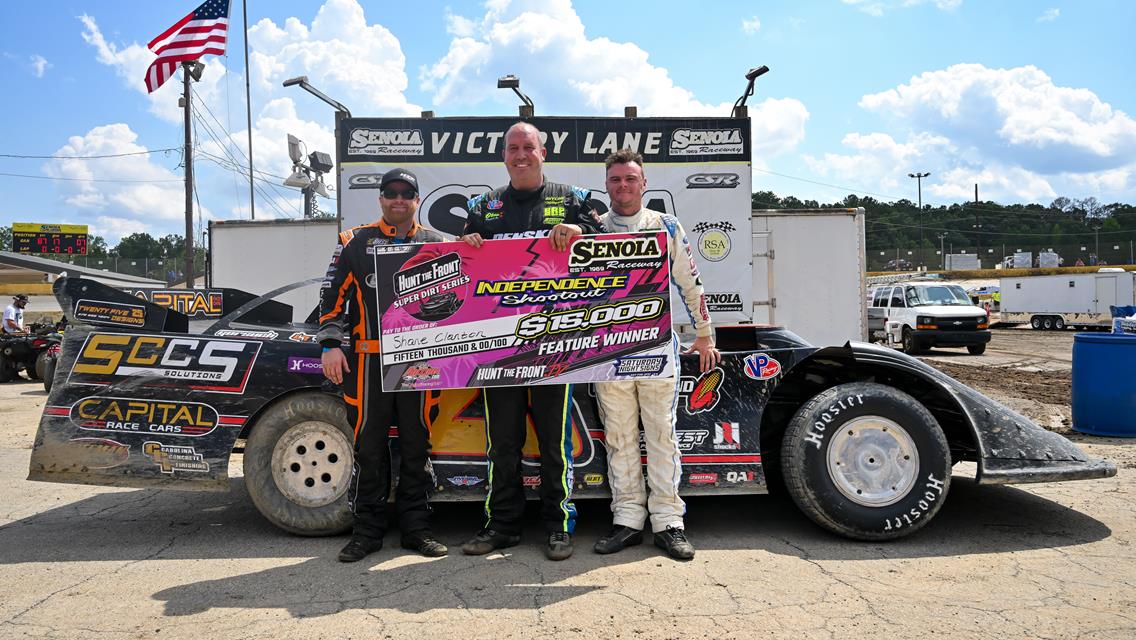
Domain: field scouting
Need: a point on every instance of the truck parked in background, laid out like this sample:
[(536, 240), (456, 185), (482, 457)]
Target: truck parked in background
[(1072, 300)]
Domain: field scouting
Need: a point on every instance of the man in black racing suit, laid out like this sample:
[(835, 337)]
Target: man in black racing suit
[(529, 206), (348, 304)]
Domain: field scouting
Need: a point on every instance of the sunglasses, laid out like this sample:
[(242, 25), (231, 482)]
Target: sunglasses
[(406, 194)]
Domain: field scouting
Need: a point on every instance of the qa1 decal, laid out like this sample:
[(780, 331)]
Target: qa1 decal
[(760, 366)]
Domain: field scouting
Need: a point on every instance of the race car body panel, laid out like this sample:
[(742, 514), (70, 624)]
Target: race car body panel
[(145, 398)]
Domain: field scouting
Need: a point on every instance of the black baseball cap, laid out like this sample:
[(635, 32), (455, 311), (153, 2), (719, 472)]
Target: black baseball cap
[(21, 297), (395, 175)]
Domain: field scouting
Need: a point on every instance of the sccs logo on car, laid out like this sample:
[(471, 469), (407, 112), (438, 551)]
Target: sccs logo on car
[(157, 361)]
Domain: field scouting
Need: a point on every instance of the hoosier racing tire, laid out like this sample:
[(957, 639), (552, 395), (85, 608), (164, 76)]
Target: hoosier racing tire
[(297, 464), (866, 461)]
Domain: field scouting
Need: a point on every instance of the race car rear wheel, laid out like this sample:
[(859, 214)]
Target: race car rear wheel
[(297, 464), (866, 461), (49, 372)]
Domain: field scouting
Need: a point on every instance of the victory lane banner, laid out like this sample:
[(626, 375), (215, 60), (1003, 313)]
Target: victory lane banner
[(518, 312)]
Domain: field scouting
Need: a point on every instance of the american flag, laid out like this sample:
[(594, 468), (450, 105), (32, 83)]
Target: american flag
[(203, 31)]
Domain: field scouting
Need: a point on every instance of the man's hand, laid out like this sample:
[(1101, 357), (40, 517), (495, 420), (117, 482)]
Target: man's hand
[(473, 239), (334, 365), (562, 235), (708, 356)]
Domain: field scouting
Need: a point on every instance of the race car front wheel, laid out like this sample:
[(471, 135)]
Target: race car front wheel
[(298, 464), (866, 461)]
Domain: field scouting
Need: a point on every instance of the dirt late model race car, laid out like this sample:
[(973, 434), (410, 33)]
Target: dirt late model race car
[(864, 436)]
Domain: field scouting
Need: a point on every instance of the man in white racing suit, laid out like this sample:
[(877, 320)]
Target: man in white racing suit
[(624, 404)]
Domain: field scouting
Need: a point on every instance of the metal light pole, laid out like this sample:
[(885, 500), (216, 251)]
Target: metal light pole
[(527, 108), (341, 113), (919, 183), (942, 253)]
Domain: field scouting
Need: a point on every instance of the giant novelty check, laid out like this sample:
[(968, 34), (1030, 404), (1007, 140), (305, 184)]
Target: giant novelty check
[(518, 312)]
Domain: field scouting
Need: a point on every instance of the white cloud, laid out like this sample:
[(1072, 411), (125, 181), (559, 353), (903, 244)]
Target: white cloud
[(137, 188), (342, 54), (565, 71), (1012, 131), (877, 8), (1049, 15), (751, 25), (39, 65), (1015, 115)]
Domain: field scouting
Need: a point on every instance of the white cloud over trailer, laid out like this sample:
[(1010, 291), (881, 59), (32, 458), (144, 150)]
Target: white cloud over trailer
[(566, 72)]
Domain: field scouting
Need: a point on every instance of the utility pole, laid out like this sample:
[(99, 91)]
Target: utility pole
[(186, 94), (919, 183), (977, 229), (942, 254)]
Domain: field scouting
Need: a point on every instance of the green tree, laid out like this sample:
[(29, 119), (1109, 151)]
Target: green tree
[(137, 246), (172, 245), (96, 247), (5, 238)]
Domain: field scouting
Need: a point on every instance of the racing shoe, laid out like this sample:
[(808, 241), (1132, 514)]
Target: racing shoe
[(487, 540), (425, 544), (559, 546), (674, 542), (359, 548), (619, 538)]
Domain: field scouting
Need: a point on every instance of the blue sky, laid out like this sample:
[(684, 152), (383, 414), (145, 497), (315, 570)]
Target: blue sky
[(1031, 100)]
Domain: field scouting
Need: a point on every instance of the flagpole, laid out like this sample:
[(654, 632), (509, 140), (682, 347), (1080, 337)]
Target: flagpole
[(189, 279), (248, 109)]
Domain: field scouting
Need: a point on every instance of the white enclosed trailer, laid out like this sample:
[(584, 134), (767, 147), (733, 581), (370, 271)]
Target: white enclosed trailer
[(808, 273), (1076, 299), (262, 255)]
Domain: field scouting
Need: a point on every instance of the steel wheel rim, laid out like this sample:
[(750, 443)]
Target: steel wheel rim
[(311, 463), (873, 461)]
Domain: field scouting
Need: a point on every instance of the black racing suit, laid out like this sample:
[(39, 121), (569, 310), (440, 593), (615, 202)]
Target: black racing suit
[(508, 213), (348, 304)]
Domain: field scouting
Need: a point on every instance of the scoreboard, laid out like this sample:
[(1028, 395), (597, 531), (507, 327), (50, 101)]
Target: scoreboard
[(30, 237)]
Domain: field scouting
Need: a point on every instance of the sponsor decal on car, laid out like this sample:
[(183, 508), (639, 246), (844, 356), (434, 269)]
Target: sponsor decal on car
[(760, 366), (465, 481), (99, 453), (100, 312), (640, 365), (724, 301), (195, 304), (702, 478), (385, 142), (714, 239), (133, 415), (687, 439), (242, 333), (712, 181), (737, 477), (300, 336), (727, 436), (698, 142), (702, 393), (222, 366), (171, 458), (309, 366)]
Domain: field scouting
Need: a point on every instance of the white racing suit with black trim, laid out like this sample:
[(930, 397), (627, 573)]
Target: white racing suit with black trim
[(624, 404), (508, 213), (348, 305)]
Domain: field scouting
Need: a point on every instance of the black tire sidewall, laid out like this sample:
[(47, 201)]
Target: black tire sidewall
[(812, 487), (49, 373), (330, 519)]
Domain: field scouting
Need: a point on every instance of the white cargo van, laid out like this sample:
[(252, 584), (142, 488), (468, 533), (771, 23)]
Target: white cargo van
[(916, 316)]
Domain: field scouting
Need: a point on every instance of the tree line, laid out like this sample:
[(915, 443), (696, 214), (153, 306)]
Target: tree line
[(1074, 228)]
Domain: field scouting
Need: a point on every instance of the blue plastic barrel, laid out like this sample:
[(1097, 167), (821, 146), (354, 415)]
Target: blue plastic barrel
[(1104, 384)]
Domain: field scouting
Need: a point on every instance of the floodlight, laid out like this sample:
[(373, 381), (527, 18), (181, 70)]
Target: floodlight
[(298, 179), (319, 188), (320, 161), (294, 148)]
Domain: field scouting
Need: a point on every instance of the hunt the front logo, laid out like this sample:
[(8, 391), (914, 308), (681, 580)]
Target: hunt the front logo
[(222, 366)]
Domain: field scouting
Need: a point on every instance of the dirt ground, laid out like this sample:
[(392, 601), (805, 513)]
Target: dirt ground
[(1046, 561), (1030, 372)]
